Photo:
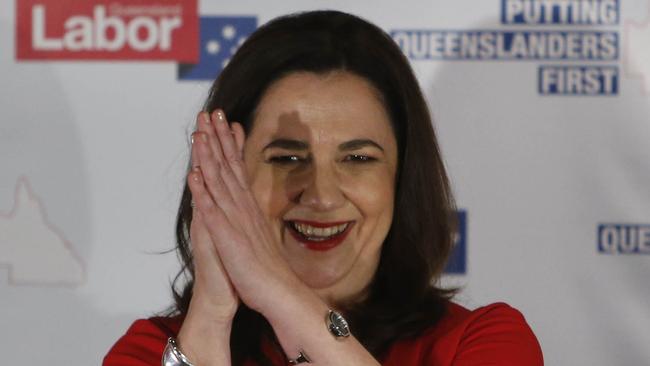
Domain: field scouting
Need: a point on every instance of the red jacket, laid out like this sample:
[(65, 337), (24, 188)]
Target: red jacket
[(494, 335)]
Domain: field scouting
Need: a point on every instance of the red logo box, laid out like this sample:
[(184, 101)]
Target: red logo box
[(107, 30)]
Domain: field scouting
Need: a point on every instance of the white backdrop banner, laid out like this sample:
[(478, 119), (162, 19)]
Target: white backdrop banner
[(542, 109)]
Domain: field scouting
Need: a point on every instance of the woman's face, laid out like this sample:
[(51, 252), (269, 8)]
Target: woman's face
[(322, 160)]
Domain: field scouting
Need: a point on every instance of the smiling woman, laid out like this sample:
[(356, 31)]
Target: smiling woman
[(322, 157), (314, 229)]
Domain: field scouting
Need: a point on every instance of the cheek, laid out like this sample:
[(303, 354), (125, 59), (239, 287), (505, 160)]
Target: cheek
[(372, 193)]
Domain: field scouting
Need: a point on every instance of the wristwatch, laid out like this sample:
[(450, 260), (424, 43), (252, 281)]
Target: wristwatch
[(337, 324), (172, 356)]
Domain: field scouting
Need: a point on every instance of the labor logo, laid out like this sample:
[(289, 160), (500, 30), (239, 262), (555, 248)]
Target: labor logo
[(106, 30)]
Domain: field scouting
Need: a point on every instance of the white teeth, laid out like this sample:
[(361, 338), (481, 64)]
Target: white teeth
[(319, 233)]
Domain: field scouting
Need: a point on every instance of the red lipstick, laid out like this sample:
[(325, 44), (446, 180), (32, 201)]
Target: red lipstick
[(320, 245)]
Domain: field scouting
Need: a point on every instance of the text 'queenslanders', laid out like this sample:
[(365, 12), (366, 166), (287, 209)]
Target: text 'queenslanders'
[(624, 239), (507, 45)]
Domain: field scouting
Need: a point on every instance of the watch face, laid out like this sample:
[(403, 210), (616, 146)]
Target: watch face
[(338, 325)]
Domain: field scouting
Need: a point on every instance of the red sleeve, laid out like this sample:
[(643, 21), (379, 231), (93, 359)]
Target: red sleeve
[(498, 335), (143, 343)]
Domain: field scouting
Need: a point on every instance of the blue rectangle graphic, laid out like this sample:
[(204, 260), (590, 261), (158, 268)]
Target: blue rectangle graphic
[(220, 38), (457, 263), (624, 238), (577, 80), (425, 44), (560, 12)]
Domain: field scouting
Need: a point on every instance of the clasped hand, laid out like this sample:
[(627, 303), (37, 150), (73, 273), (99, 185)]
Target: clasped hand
[(235, 254)]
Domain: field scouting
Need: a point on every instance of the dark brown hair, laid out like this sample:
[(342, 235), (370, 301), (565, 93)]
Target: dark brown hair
[(402, 300)]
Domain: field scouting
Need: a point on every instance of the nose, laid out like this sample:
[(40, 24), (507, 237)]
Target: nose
[(322, 189)]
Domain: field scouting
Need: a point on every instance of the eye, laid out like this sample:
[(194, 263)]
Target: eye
[(286, 159), (358, 158)]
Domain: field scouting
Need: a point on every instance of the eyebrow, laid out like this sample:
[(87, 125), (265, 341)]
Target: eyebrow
[(287, 144), (358, 144), (290, 144)]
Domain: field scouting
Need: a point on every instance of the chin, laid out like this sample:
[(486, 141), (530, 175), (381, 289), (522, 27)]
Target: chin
[(318, 276), (334, 285)]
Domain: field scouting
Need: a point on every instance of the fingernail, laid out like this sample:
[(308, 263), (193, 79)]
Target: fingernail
[(206, 118), (196, 173), (221, 117)]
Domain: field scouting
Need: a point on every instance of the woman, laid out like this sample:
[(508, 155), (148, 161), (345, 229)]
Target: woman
[(326, 201)]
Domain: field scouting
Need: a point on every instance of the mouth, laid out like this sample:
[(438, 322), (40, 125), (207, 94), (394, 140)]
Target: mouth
[(319, 236)]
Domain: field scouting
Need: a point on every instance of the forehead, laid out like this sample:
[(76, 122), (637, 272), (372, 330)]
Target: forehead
[(333, 107)]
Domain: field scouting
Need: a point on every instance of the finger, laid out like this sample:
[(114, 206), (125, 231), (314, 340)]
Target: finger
[(221, 126), (221, 230), (210, 277), (232, 167), (194, 164), (213, 160), (194, 157), (211, 174), (206, 125), (240, 137), (231, 153), (203, 251), (202, 197), (224, 133)]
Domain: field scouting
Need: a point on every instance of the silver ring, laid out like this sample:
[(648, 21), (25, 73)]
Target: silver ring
[(302, 358)]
